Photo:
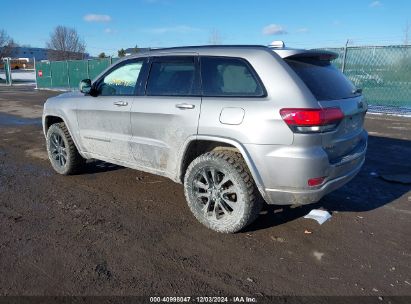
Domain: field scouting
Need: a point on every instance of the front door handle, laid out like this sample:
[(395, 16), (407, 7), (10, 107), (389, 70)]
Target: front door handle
[(121, 103), (185, 106)]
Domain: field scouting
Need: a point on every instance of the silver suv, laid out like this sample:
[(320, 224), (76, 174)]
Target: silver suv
[(237, 125)]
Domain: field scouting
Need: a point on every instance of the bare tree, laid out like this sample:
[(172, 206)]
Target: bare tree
[(65, 44), (215, 37), (6, 44), (407, 29)]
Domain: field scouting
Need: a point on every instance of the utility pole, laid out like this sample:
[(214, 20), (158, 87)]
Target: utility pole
[(407, 33), (345, 55), (215, 37)]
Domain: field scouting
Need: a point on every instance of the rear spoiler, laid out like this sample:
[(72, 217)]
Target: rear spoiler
[(294, 53)]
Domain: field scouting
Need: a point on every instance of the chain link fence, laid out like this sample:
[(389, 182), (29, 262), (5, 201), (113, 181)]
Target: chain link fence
[(383, 72)]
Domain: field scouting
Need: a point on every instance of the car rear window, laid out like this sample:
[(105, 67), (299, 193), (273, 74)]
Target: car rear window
[(232, 77), (323, 79)]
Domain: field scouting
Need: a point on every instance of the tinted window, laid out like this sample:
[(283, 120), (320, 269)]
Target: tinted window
[(172, 77), (228, 77), (121, 81), (323, 79)]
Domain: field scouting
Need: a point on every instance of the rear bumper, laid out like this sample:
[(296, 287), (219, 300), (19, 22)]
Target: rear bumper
[(309, 196), (284, 171)]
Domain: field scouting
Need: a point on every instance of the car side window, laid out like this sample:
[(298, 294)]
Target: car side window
[(222, 76), (121, 81), (172, 76)]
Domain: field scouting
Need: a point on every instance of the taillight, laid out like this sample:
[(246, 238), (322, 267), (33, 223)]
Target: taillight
[(312, 120)]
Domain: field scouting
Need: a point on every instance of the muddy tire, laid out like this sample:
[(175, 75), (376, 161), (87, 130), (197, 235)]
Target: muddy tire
[(221, 192), (62, 152)]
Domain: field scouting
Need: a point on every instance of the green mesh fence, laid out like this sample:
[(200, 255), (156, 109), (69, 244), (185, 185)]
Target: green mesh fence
[(384, 74), (96, 66), (59, 74), (43, 75), (68, 74), (77, 70)]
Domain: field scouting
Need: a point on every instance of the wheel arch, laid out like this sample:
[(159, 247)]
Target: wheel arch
[(197, 145), (51, 119)]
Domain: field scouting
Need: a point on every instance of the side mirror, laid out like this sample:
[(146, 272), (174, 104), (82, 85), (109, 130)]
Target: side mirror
[(85, 86)]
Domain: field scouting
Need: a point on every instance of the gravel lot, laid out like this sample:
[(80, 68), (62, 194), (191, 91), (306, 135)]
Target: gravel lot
[(117, 231)]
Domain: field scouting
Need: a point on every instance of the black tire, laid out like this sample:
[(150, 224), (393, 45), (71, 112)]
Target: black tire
[(62, 152), (233, 201)]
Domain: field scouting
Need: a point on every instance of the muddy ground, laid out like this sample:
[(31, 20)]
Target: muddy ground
[(117, 231)]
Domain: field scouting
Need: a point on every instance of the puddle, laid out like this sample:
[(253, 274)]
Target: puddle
[(7, 119)]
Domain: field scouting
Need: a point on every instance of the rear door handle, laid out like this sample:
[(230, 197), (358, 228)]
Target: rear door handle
[(185, 106), (121, 103)]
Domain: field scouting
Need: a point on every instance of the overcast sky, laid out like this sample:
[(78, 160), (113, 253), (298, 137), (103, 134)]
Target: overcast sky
[(108, 25)]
